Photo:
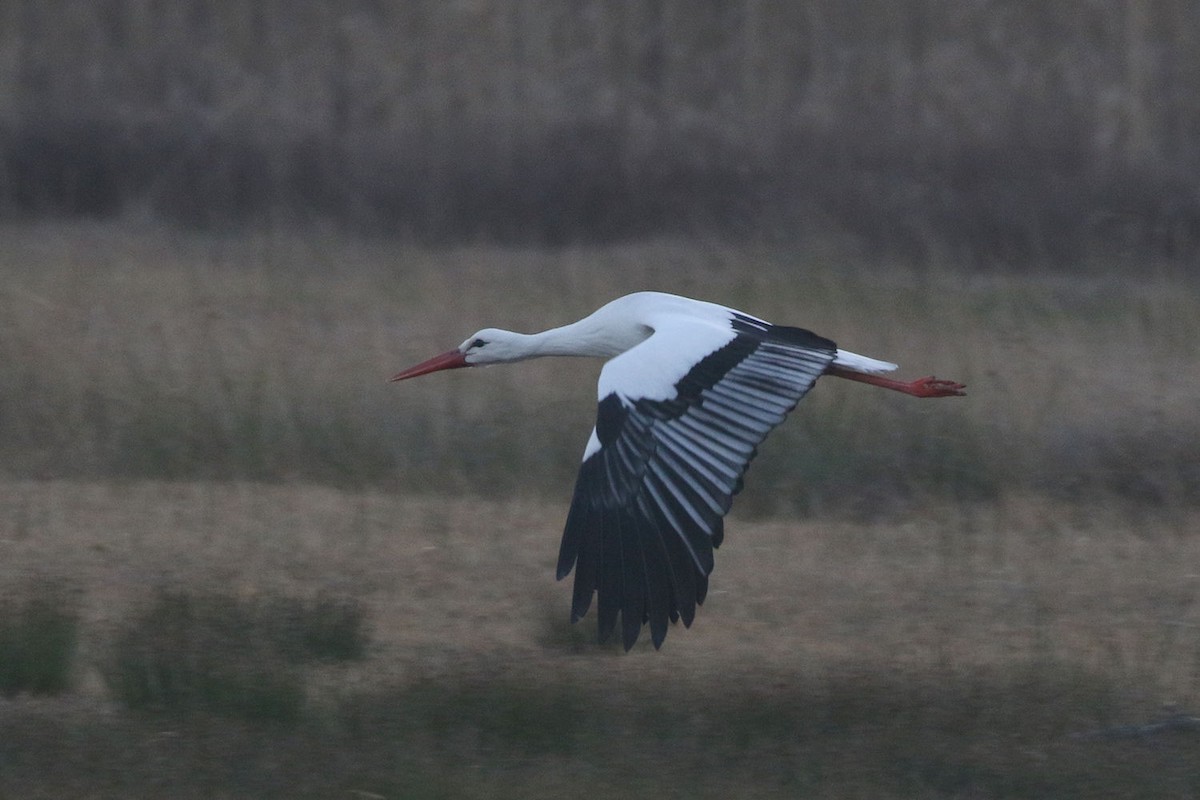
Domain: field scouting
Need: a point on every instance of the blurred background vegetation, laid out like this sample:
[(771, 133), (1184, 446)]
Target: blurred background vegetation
[(1004, 131)]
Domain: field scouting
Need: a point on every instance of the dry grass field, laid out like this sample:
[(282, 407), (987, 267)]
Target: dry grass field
[(982, 650), (981, 598)]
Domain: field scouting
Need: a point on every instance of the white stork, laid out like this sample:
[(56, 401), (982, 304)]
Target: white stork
[(689, 392)]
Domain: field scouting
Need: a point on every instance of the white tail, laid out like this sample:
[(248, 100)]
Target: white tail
[(859, 363)]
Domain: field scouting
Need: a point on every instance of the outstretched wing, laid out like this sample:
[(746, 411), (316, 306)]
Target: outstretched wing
[(662, 466)]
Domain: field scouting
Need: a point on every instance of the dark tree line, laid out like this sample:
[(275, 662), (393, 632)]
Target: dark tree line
[(999, 130)]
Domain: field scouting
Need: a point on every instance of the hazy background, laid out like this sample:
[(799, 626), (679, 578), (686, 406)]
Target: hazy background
[(234, 561), (983, 131)]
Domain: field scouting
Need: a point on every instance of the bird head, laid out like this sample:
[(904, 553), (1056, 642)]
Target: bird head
[(488, 346)]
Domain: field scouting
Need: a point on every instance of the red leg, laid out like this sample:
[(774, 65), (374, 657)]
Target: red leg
[(921, 387)]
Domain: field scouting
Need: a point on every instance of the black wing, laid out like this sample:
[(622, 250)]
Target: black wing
[(648, 504)]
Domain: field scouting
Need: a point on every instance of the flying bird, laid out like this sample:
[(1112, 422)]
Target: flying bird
[(689, 392)]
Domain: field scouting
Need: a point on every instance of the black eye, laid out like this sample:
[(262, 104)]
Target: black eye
[(478, 343)]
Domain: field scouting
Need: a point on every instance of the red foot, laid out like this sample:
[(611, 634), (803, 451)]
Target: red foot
[(933, 387), (921, 387)]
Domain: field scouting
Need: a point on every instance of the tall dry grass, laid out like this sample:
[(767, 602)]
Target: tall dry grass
[(150, 354)]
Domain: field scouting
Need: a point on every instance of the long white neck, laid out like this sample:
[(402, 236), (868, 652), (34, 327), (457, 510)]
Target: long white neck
[(587, 337)]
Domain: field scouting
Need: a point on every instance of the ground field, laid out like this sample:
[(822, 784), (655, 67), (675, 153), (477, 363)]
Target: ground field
[(972, 651), (987, 597)]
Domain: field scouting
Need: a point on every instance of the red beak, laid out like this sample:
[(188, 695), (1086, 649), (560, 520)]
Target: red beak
[(451, 360)]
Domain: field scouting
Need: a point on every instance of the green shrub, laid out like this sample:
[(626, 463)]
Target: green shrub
[(324, 629), (223, 655), (38, 640)]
